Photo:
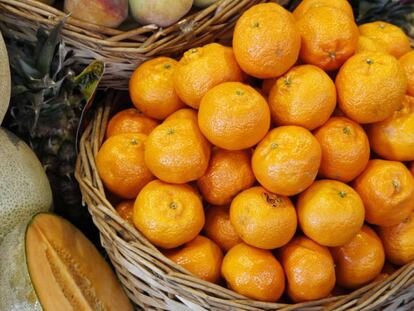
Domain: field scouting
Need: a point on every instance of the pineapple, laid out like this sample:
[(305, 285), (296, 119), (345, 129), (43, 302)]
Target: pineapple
[(46, 107)]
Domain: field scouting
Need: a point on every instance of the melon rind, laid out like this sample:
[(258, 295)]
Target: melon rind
[(16, 290), (5, 81), (24, 187)]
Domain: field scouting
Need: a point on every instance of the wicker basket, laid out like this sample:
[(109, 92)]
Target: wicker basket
[(122, 51), (153, 282)]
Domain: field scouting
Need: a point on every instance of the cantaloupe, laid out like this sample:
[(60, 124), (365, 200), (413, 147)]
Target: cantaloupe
[(47, 264), (24, 187), (5, 83)]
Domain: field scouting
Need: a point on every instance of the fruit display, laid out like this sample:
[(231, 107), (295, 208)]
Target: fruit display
[(279, 166), (47, 264), (46, 107), (24, 187)]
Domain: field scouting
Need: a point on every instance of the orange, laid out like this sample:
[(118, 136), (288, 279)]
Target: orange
[(393, 138), (266, 41), (370, 86), (387, 190), (329, 37), (306, 5), (168, 215), (359, 261), (152, 88), (366, 44), (287, 160), (120, 164), (309, 268), (228, 173), (304, 96), (254, 273), (201, 256), (234, 116), (176, 151), (263, 219), (200, 69), (412, 167), (398, 241), (345, 149), (330, 212), (391, 37), (407, 63), (130, 121), (125, 209), (219, 228)]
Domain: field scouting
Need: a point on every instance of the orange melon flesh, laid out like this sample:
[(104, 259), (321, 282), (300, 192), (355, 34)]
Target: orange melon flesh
[(66, 271)]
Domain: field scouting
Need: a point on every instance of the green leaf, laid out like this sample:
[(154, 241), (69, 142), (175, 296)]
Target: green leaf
[(88, 80), (48, 48)]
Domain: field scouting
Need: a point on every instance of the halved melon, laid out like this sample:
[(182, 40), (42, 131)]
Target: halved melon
[(48, 264)]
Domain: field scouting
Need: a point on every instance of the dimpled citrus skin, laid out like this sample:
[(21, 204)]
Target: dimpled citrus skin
[(398, 241), (345, 149), (176, 151), (234, 116), (266, 41), (330, 206), (304, 96), (329, 37), (130, 121), (387, 190), (152, 88), (228, 173), (393, 138), (168, 215), (201, 256), (389, 36), (120, 163), (219, 228), (287, 160), (366, 44), (254, 273), (200, 69), (370, 86), (407, 63), (309, 268), (263, 219), (360, 261), (305, 5)]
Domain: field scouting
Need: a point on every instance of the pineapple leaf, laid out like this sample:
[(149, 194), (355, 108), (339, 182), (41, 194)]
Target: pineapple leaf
[(48, 48), (89, 79)]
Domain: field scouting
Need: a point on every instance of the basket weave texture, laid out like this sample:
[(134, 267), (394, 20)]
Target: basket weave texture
[(122, 50), (153, 282)]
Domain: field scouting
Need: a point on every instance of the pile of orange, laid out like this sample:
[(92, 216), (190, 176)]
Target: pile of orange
[(300, 186)]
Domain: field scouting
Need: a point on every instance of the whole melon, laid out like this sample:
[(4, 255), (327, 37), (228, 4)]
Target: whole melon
[(5, 82), (160, 12), (46, 264), (24, 187)]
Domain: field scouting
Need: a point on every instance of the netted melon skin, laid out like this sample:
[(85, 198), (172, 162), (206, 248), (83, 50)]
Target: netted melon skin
[(24, 187), (16, 290)]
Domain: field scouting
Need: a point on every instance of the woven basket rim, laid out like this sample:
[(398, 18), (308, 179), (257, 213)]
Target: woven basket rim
[(118, 236)]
